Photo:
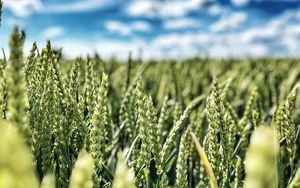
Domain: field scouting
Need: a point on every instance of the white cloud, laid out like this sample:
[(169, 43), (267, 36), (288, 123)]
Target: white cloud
[(264, 34), (73, 48), (53, 32), (127, 28), (23, 8), (181, 23), (271, 39), (117, 27), (79, 6), (214, 10), (140, 26), (212, 44), (155, 8), (285, 17), (279, 37), (138, 8), (169, 45), (119, 49), (240, 2), (229, 22), (14, 21)]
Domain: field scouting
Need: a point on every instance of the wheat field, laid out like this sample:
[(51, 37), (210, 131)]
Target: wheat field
[(90, 122)]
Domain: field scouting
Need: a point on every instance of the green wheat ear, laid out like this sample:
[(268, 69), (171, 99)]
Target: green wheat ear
[(99, 121), (3, 87), (217, 126), (48, 181), (296, 180), (99, 127), (154, 136), (261, 170), (285, 126), (74, 80), (17, 96), (124, 177), (83, 171), (16, 165), (181, 166), (171, 139), (143, 161)]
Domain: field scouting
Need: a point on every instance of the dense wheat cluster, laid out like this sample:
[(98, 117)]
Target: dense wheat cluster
[(196, 123)]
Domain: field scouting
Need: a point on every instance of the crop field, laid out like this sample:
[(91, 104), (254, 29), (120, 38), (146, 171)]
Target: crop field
[(90, 122)]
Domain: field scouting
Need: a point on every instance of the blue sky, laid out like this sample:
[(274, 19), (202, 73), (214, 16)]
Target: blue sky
[(160, 29)]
